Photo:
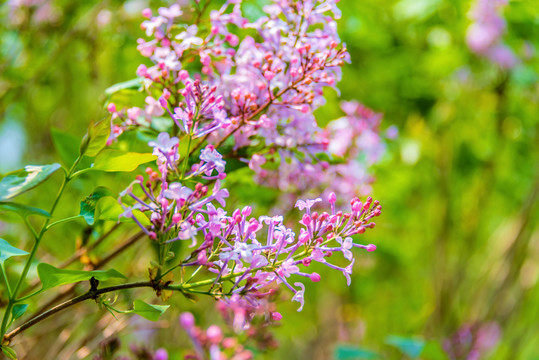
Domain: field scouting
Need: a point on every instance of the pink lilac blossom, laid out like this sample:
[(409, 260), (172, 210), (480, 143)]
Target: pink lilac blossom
[(484, 36), (228, 92)]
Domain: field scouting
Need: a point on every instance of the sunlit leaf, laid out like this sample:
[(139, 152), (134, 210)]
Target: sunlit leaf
[(149, 311), (7, 251), (95, 138), (23, 180), (113, 160), (51, 276)]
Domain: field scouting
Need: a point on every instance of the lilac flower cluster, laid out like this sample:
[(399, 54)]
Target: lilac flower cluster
[(236, 247), (259, 90), (485, 33), (247, 90)]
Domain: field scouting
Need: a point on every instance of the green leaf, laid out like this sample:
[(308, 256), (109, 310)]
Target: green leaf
[(51, 276), (25, 179), (66, 145), (9, 352), (113, 160), (18, 310), (410, 347), (109, 209), (7, 251), (23, 210), (88, 205), (133, 84), (345, 352), (149, 311), (96, 138)]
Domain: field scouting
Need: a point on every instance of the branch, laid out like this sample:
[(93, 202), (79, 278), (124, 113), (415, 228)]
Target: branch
[(91, 294)]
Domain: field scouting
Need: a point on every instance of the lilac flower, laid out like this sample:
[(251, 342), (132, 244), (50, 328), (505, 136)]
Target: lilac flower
[(153, 108), (307, 204), (346, 245), (299, 296)]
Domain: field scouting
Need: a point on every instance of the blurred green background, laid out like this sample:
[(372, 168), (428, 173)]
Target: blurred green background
[(458, 241)]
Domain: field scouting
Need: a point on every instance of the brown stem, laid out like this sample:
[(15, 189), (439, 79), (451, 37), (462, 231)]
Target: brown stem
[(96, 266), (91, 294)]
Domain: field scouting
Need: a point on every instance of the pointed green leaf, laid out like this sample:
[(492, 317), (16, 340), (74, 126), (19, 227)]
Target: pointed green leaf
[(113, 160), (18, 310), (23, 210), (133, 84), (88, 205), (149, 311), (96, 138), (7, 251), (51, 276), (9, 352), (409, 346), (25, 179)]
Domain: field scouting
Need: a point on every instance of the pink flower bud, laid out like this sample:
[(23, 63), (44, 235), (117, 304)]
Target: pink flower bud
[(176, 218), (163, 102), (276, 316), (152, 235), (183, 75), (147, 13), (187, 320), (164, 203), (370, 247), (315, 277), (306, 219), (111, 107), (332, 198), (166, 94), (246, 211)]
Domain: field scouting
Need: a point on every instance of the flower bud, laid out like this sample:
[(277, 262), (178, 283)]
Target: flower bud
[(187, 320)]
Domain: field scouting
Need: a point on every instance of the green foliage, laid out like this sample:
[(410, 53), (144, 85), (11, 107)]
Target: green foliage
[(51, 276), (7, 251), (26, 179), (23, 210), (9, 352), (18, 311), (95, 138), (133, 84), (149, 311), (113, 160), (88, 205)]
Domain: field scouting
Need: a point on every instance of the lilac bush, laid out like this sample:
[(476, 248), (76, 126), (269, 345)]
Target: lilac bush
[(221, 87)]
